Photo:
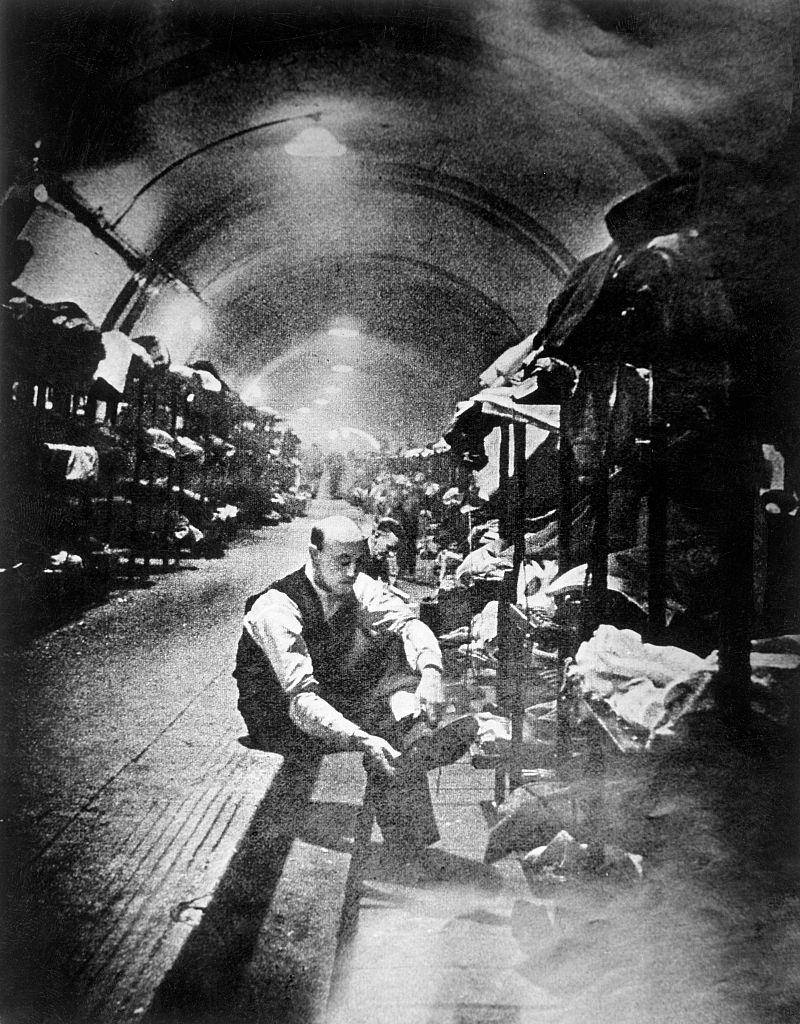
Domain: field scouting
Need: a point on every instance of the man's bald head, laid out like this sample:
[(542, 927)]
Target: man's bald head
[(337, 547), (336, 530)]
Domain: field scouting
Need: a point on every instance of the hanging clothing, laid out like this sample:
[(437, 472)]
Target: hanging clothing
[(113, 369), (189, 450), (160, 442), (82, 461), (208, 382)]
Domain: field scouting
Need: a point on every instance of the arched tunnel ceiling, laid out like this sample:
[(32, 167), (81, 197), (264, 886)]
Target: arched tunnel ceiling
[(483, 142)]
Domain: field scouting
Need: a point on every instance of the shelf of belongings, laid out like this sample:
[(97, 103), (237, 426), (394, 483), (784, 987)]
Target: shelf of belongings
[(512, 450), (669, 469), (114, 458), (673, 483)]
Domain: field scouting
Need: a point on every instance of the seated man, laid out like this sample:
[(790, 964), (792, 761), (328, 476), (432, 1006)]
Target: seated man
[(319, 665), (380, 560)]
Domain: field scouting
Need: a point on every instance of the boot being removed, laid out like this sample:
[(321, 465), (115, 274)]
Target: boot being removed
[(439, 747)]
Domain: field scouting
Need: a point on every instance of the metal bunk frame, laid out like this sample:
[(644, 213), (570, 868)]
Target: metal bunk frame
[(735, 573)]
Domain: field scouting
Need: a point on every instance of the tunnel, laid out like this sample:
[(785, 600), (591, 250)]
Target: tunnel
[(341, 216)]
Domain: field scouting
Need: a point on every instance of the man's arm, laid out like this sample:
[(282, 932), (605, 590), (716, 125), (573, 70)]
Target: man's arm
[(389, 612), (275, 624), (317, 717)]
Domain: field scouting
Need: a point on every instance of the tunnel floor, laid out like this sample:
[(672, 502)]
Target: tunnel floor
[(145, 845)]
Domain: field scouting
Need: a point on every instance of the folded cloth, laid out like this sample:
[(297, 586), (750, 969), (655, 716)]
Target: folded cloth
[(482, 562), (641, 704), (562, 853), (484, 625), (186, 448), (227, 512), (647, 686), (219, 447), (83, 462), (182, 528), (532, 583), (141, 353), (155, 348), (159, 441), (180, 370), (208, 382), (613, 659), (485, 532), (63, 559)]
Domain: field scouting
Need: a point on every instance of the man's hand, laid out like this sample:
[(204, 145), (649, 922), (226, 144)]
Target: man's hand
[(378, 754), (429, 696), (390, 620)]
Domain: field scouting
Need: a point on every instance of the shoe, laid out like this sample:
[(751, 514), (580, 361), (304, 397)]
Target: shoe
[(440, 747)]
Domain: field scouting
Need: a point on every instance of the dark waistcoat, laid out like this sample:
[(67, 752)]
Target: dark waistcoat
[(345, 659)]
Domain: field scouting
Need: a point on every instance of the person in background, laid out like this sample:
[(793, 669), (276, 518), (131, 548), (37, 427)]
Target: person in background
[(407, 513), (380, 562)]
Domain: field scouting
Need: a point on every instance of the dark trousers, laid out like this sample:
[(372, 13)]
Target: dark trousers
[(402, 805)]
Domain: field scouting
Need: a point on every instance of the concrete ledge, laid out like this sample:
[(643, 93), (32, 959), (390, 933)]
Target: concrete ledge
[(266, 946), (290, 975)]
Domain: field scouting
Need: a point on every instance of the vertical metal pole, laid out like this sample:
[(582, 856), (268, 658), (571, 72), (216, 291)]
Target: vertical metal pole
[(736, 570), (566, 501), (504, 679), (504, 693), (518, 526), (503, 483), (172, 472), (137, 472), (656, 517), (597, 598), (151, 484)]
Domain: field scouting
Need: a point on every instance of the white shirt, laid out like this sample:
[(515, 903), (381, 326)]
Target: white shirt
[(275, 624)]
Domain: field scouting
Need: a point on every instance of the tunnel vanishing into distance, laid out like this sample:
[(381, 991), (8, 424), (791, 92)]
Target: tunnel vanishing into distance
[(348, 208), (249, 176)]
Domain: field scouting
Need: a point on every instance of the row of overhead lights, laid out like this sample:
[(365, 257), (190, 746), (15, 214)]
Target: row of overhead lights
[(337, 331)]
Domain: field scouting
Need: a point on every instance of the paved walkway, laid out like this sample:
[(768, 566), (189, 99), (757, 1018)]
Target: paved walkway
[(128, 787), (146, 843), (157, 869)]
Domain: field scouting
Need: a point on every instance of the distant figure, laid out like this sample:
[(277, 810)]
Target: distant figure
[(407, 513), (335, 466), (381, 561)]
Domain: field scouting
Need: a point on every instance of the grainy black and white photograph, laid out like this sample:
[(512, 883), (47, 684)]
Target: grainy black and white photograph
[(400, 547)]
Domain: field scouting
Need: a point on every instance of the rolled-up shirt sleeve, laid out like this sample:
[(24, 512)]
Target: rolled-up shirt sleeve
[(275, 624), (390, 613)]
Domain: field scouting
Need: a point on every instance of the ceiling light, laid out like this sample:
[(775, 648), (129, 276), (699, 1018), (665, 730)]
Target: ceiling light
[(315, 142), (343, 332), (321, 401), (342, 368)]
